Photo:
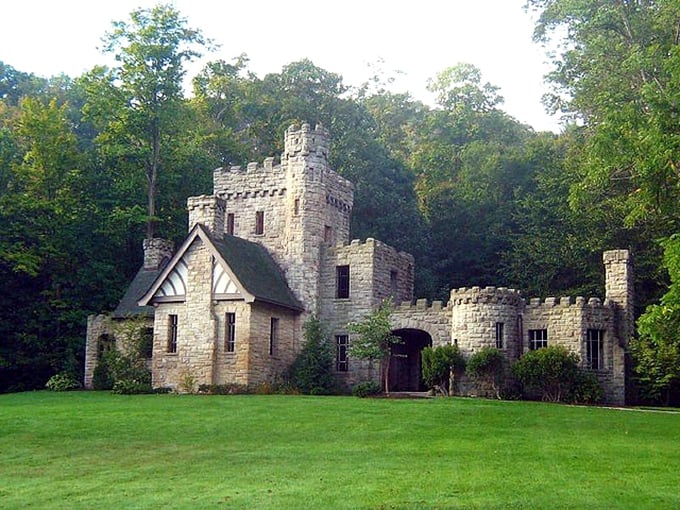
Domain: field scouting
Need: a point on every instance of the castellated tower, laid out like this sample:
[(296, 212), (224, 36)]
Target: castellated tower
[(295, 209), (619, 291)]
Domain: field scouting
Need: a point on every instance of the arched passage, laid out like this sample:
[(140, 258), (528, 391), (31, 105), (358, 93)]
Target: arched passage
[(405, 366)]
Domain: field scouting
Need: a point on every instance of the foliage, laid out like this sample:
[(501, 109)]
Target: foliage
[(366, 389), (126, 364), (485, 368), (553, 370), (312, 372), (223, 389), (374, 339), (62, 382), (586, 389), (439, 366), (657, 349), (101, 375)]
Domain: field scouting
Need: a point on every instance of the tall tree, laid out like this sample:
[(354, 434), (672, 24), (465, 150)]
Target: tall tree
[(151, 49)]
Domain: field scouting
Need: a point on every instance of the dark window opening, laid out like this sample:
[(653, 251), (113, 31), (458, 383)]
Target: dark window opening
[(273, 335), (499, 335), (230, 332), (259, 223), (146, 344), (342, 282), (172, 333), (105, 343), (341, 353), (538, 338), (230, 224), (594, 346)]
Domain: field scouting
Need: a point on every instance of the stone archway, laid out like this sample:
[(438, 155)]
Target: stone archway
[(405, 366)]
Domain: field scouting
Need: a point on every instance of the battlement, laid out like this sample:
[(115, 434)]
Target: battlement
[(489, 295), (370, 244), (421, 305), (207, 210), (566, 301), (304, 141)]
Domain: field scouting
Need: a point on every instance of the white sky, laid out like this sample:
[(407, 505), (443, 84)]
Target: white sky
[(419, 38)]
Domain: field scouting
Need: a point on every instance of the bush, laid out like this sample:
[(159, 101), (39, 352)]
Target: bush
[(439, 366), (587, 389), (101, 377), (131, 387), (62, 382), (223, 389), (366, 389), (485, 368), (553, 370), (313, 372)]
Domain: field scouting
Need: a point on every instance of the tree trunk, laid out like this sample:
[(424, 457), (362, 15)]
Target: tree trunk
[(152, 176)]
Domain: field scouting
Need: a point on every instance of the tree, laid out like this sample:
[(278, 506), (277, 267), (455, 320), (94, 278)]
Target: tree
[(151, 50), (485, 367), (374, 339), (440, 365), (657, 350), (312, 371)]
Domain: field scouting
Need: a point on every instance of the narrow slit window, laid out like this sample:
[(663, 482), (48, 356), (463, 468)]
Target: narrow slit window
[(273, 335), (341, 353), (172, 333), (230, 332), (499, 335), (259, 223), (594, 343), (230, 224)]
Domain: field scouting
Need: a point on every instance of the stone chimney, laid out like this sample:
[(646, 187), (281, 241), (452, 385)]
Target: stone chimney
[(156, 251), (209, 211)]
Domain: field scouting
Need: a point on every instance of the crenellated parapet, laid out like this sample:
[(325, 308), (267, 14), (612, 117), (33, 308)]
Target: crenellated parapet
[(488, 295), (305, 141), (566, 301)]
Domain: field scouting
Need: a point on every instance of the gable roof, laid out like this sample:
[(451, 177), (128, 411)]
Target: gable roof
[(247, 263)]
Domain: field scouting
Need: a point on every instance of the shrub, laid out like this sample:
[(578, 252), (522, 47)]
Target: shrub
[(439, 366), (131, 387), (62, 382), (223, 389), (485, 368), (587, 389), (366, 389), (553, 370), (101, 377), (313, 369)]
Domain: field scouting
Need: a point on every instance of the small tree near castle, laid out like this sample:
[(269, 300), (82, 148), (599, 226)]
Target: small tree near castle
[(374, 339)]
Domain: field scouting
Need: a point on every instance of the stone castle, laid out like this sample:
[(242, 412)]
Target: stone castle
[(271, 246)]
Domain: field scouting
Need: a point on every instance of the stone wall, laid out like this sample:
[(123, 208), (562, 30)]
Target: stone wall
[(97, 325), (434, 319)]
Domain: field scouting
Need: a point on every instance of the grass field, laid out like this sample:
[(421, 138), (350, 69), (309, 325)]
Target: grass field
[(97, 450)]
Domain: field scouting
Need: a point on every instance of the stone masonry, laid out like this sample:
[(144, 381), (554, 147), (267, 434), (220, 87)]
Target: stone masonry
[(298, 210)]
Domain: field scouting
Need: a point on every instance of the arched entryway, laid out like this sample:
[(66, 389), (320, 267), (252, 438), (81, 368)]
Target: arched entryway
[(405, 366)]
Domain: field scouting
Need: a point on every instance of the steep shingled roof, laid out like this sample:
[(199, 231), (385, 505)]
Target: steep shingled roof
[(256, 270), (140, 284), (252, 266)]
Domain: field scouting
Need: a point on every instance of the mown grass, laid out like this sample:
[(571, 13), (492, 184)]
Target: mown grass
[(97, 450)]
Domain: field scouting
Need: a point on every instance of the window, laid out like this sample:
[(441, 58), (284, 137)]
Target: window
[(273, 335), (105, 343), (259, 223), (230, 332), (342, 282), (230, 224), (341, 348), (146, 344), (297, 206), (328, 234), (172, 333), (499, 335), (394, 285), (594, 342), (538, 338)]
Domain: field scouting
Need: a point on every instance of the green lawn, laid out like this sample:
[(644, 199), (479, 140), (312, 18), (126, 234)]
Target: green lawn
[(97, 450)]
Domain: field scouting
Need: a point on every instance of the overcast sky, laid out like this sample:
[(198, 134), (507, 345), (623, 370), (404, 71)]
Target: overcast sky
[(418, 38)]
